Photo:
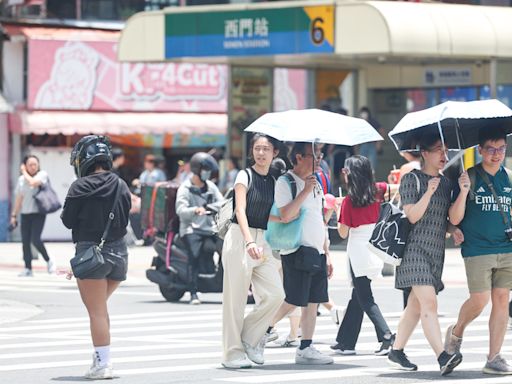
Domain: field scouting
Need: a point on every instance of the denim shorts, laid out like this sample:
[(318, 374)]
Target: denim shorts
[(115, 254)]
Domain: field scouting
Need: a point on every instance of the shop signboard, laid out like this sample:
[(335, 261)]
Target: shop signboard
[(86, 76), (290, 30), (251, 97), (442, 77)]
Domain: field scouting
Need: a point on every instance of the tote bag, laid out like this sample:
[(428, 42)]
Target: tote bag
[(389, 237), (46, 199)]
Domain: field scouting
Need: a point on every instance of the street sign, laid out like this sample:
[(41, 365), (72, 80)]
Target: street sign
[(250, 32)]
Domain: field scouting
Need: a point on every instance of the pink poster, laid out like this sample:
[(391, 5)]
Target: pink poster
[(83, 75), (290, 89)]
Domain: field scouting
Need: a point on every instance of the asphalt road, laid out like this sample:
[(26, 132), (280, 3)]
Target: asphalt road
[(44, 333)]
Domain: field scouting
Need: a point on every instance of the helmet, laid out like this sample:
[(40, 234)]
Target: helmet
[(203, 165), (89, 151)]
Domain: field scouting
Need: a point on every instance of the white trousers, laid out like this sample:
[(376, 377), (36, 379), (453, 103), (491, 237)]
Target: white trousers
[(240, 270)]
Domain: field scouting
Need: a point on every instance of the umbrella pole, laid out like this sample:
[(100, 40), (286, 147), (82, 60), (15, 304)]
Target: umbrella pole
[(457, 133)]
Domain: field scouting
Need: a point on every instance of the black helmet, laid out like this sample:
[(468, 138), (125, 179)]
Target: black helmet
[(201, 161), (89, 151)]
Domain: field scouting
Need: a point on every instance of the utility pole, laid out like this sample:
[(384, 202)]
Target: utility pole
[(78, 6)]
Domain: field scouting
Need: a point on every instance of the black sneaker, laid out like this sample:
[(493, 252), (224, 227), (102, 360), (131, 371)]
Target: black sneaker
[(340, 348), (194, 300), (447, 363), (398, 359), (385, 346)]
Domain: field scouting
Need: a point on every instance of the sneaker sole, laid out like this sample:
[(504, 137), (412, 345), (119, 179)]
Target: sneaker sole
[(345, 353), (248, 366), (401, 368), (490, 371), (272, 337), (313, 362), (451, 365), (382, 353)]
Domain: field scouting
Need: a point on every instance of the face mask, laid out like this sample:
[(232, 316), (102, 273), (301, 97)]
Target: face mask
[(205, 175)]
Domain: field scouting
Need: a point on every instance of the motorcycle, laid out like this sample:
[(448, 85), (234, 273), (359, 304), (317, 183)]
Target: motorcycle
[(170, 267)]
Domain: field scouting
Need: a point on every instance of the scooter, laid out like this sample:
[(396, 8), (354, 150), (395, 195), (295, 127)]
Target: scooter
[(170, 267)]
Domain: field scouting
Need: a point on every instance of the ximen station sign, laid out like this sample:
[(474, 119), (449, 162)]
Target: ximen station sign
[(250, 32)]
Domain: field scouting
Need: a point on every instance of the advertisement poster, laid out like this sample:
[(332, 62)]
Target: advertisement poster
[(85, 75), (251, 97)]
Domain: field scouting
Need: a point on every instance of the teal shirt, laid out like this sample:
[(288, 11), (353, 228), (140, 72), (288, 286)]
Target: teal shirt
[(483, 227)]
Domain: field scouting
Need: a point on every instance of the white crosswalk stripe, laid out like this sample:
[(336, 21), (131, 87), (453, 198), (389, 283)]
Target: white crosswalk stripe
[(183, 342)]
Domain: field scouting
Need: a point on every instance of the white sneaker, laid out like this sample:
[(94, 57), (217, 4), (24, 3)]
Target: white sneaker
[(272, 336), (255, 354), (337, 314), (97, 371), (311, 356), (26, 273), (51, 267), (242, 363)]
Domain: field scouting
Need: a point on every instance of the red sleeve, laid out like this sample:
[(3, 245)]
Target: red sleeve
[(346, 212)]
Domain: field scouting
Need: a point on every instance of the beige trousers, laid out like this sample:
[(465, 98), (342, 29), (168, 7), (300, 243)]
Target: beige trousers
[(240, 270)]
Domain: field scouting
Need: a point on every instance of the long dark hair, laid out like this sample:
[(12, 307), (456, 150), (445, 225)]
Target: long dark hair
[(360, 181), (276, 144)]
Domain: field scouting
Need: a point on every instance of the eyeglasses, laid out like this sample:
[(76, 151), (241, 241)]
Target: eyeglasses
[(318, 156), (495, 151), (263, 149)]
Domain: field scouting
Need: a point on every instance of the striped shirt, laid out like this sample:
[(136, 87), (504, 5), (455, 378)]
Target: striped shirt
[(260, 197)]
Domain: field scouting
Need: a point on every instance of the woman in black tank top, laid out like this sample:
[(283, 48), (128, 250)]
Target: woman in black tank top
[(247, 259)]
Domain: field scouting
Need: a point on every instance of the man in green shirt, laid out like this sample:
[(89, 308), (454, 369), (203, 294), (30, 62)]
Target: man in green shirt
[(483, 211)]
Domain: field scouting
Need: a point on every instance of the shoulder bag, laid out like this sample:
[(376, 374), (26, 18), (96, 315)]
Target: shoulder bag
[(226, 214), (46, 199), (91, 259), (391, 231)]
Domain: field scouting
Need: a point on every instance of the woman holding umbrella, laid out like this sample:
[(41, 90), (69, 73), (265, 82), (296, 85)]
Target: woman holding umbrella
[(426, 197)]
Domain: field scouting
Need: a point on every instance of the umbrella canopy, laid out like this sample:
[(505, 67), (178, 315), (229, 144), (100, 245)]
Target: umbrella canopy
[(459, 122), (315, 125)]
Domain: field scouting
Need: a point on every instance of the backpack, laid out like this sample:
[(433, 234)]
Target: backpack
[(391, 231), (226, 214), (472, 178)]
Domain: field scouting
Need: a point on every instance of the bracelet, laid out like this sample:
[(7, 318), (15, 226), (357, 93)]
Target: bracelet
[(249, 243)]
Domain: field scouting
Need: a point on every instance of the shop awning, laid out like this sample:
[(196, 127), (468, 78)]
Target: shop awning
[(52, 33), (82, 123), (362, 29)]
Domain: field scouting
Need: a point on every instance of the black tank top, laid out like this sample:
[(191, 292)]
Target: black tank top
[(260, 198)]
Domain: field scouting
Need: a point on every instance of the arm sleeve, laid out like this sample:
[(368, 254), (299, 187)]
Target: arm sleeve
[(183, 210), (241, 178), (346, 212), (42, 176), (409, 189), (282, 193), (70, 211), (19, 185)]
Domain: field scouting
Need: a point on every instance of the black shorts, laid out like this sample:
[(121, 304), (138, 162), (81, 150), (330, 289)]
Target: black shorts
[(115, 254), (301, 287)]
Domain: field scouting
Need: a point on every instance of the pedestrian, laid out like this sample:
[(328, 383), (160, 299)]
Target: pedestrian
[(425, 196), (485, 221), (197, 227), (358, 214), (303, 288), (32, 221), (247, 259), (89, 201), (152, 173), (228, 180), (372, 149)]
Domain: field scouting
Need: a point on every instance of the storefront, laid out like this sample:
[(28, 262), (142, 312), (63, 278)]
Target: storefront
[(397, 56)]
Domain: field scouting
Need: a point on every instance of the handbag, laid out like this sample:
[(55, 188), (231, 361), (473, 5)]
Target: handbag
[(224, 218), (389, 237), (282, 236), (46, 199), (89, 260), (307, 259)]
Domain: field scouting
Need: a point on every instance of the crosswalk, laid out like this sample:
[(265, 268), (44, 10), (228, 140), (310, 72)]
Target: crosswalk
[(174, 343)]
